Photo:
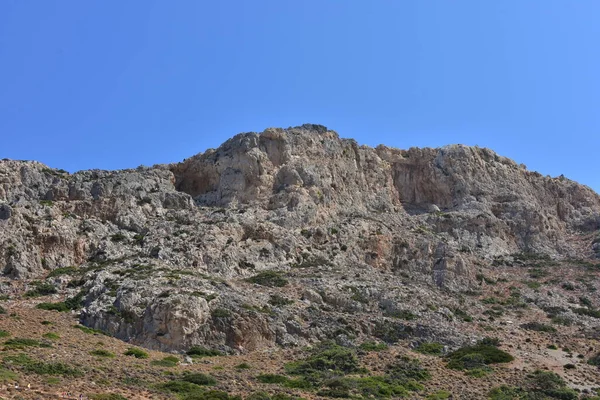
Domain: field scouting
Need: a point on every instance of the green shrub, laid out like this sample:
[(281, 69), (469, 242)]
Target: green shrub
[(587, 311), (60, 307), (269, 278), (401, 314), (272, 378), (106, 396), (461, 314), (7, 375), (199, 351), (506, 393), (478, 372), (490, 341), (367, 387), (406, 369), (169, 362), (439, 395), (90, 331), (182, 388), (243, 366), (102, 353), (279, 301), (20, 343), (43, 368), (4, 334), (118, 237), (392, 331), (135, 352), (477, 356), (51, 336), (533, 284), (594, 360), (199, 379), (538, 327), (373, 346), (326, 357), (561, 320), (62, 271), (258, 396), (433, 348), (41, 289), (220, 313)]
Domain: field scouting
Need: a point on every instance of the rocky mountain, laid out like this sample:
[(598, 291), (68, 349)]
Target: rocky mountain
[(292, 237)]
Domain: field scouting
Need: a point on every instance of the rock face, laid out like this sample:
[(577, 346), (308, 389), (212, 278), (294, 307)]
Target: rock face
[(273, 237)]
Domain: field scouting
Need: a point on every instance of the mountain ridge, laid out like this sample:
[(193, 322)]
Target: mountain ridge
[(295, 237)]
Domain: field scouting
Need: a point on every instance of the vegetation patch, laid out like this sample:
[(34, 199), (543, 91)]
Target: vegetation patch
[(43, 368), (106, 396), (433, 348), (63, 271), (461, 314), (60, 307), (135, 352), (102, 353), (439, 395), (478, 356), (590, 312), (4, 334), (279, 301), (199, 351), (90, 331), (538, 327), (595, 360), (401, 314), (168, 362), (269, 278), (21, 343), (51, 336), (41, 289), (538, 385)]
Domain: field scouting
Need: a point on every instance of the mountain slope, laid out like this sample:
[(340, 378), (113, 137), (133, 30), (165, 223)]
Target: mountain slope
[(292, 237)]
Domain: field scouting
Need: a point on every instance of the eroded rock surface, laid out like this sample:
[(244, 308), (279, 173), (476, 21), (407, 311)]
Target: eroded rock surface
[(286, 237)]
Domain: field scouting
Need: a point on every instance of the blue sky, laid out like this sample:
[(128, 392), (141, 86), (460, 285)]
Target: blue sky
[(116, 84)]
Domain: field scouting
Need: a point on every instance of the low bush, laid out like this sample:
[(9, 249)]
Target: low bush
[(106, 396), (538, 327), (199, 351), (90, 331), (477, 356), (168, 362), (40, 289), (199, 379), (439, 395), (43, 368), (51, 336), (432, 348), (60, 307), (135, 352), (326, 357), (102, 353), (595, 360), (62, 271), (269, 278), (20, 343)]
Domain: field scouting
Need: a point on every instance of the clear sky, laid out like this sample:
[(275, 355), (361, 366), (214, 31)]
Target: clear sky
[(116, 84)]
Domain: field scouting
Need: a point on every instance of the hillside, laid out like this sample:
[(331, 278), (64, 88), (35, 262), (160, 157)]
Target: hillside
[(294, 244)]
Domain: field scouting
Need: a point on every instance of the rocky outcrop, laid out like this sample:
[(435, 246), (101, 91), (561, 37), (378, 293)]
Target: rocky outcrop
[(168, 256)]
